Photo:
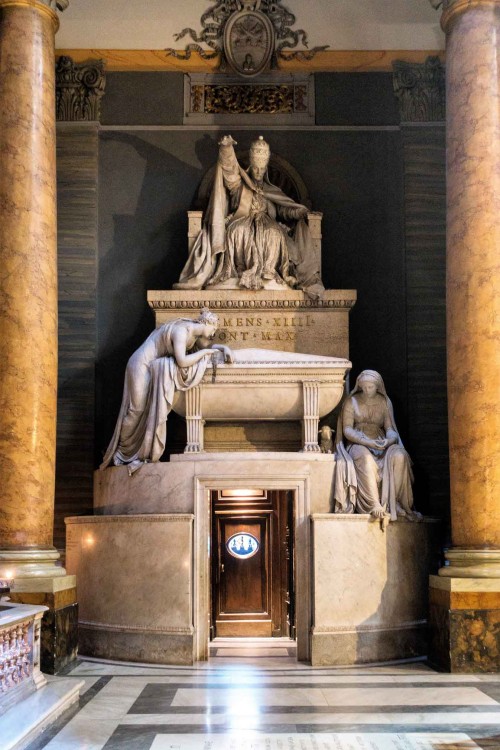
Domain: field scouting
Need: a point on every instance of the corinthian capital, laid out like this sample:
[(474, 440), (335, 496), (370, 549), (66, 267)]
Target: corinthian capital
[(56, 4)]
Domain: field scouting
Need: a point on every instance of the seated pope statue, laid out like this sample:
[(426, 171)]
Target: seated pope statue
[(173, 357), (253, 236), (372, 469)]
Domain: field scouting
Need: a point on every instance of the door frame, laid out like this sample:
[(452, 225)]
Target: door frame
[(299, 486)]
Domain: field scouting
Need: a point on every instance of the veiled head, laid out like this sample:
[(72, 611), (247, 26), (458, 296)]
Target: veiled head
[(370, 381)]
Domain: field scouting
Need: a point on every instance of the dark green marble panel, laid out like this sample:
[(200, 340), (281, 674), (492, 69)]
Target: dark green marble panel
[(59, 642)]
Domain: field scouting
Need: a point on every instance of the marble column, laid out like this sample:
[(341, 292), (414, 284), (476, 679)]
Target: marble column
[(465, 597), (28, 301)]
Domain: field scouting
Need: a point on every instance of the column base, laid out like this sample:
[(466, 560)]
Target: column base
[(30, 562), (59, 637), (464, 620)]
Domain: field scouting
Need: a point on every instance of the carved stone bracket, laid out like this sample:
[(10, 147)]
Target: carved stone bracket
[(79, 89), (420, 89)]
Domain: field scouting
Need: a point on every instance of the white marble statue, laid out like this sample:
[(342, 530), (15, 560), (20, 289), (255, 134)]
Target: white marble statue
[(173, 357), (243, 242), (373, 470)]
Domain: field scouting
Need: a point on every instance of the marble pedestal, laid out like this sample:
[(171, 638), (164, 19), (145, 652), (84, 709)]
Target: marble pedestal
[(464, 620), (370, 589), (143, 563), (59, 632)]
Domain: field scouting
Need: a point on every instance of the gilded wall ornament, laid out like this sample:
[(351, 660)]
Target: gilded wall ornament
[(249, 36), (79, 89)]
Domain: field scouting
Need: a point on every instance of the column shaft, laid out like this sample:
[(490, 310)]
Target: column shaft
[(473, 272), (28, 275), (464, 611)]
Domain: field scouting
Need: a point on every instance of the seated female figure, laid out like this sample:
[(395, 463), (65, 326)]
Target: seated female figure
[(373, 470)]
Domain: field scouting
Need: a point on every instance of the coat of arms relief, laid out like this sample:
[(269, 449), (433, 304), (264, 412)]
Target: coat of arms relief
[(248, 36)]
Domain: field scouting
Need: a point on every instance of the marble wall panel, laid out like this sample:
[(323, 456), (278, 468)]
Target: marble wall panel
[(134, 576), (370, 588), (169, 487)]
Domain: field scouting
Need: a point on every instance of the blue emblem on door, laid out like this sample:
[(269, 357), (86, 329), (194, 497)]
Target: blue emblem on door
[(242, 545)]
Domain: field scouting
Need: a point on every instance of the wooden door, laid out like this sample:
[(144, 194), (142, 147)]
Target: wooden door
[(252, 566), (244, 596)]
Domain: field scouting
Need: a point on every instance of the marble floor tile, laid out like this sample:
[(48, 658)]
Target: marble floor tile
[(407, 696), (274, 700), (249, 699), (328, 742), (251, 653)]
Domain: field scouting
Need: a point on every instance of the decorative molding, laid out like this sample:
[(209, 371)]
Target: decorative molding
[(79, 89), (246, 35), (279, 98), (269, 304), (91, 624), (144, 518), (420, 89), (329, 61), (337, 629)]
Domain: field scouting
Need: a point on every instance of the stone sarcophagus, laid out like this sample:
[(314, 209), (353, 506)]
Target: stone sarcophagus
[(262, 384)]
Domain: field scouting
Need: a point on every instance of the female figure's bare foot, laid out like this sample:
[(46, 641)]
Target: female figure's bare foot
[(378, 512)]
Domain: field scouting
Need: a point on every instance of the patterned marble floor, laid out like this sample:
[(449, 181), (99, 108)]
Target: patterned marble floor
[(253, 695)]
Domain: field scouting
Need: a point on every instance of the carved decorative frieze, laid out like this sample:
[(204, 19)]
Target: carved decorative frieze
[(79, 89), (420, 89), (269, 304), (214, 98), (248, 36)]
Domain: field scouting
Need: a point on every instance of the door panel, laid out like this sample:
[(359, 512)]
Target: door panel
[(252, 589), (243, 579)]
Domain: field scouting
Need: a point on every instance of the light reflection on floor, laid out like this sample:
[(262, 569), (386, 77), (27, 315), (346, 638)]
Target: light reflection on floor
[(253, 695)]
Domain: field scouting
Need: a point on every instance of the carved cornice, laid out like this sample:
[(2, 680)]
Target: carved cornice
[(79, 89), (258, 304), (420, 89)]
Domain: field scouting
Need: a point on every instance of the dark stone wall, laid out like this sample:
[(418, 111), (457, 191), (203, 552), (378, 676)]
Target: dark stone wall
[(357, 164), (77, 163)]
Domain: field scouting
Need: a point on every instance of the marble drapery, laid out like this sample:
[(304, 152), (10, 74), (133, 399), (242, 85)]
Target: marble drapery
[(242, 240), (151, 378), (368, 480)]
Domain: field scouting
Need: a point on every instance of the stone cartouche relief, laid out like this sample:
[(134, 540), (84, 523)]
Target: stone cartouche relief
[(79, 89), (249, 37), (420, 89)]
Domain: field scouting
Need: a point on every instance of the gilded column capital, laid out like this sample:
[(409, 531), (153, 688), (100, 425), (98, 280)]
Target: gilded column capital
[(452, 9)]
